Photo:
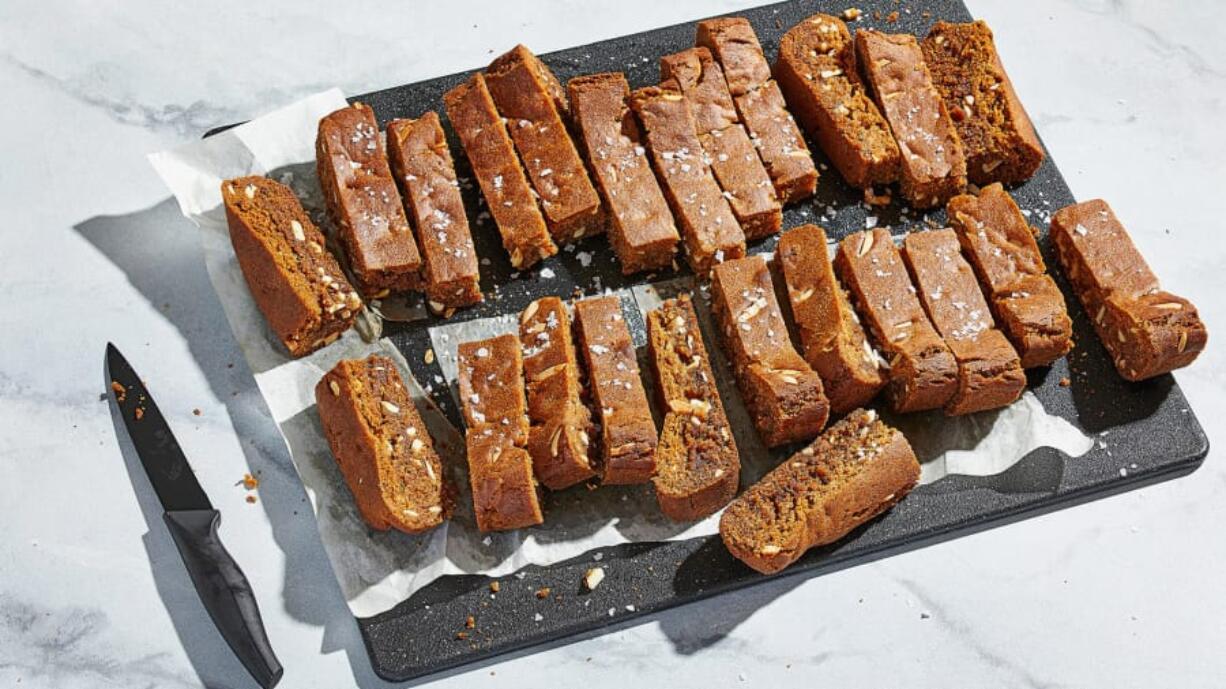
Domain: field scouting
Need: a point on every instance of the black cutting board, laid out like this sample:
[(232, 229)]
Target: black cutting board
[(1153, 435)]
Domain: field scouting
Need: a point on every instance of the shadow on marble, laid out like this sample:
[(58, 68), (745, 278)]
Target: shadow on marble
[(159, 253)]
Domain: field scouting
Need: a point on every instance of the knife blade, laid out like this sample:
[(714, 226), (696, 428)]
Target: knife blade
[(193, 524)]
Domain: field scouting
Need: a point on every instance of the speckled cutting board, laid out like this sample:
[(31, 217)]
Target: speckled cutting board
[(1145, 432)]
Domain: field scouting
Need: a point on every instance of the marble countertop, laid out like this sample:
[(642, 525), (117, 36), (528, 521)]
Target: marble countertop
[(1127, 95)]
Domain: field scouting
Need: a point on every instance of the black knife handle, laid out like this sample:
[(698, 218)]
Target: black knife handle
[(224, 590)]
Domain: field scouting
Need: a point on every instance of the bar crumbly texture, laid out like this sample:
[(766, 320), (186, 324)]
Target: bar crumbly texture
[(990, 372), (760, 105), (858, 469), (641, 227), (295, 282), (627, 432), (782, 392), (523, 91), (363, 202), (491, 155), (816, 71), (560, 434), (698, 467), (382, 446), (708, 226), (422, 164), (725, 143), (491, 386), (1146, 330), (933, 166), (1025, 300), (923, 371), (997, 135), (830, 332)]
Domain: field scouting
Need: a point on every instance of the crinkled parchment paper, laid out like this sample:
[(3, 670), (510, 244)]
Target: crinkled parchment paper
[(378, 570)]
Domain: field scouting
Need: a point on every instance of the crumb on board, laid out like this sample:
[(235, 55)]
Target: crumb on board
[(196, 411), (494, 587), (121, 393), (429, 355), (251, 499), (543, 592), (471, 622), (1065, 382), (593, 577), (852, 13), (249, 482), (140, 413)]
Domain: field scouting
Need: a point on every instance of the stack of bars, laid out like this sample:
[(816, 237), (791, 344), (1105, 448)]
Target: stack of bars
[(942, 319)]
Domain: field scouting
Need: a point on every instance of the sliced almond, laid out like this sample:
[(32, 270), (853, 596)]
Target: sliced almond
[(296, 228), (529, 312), (336, 389), (1183, 340), (549, 372), (802, 296), (389, 407), (866, 243), (769, 549), (553, 442), (1169, 306)]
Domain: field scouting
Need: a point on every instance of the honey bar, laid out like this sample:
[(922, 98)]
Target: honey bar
[(362, 201), (997, 136), (816, 71), (294, 281), (627, 431), (524, 92), (923, 372), (933, 167), (491, 386), (833, 339), (989, 370), (641, 228), (698, 467), (1001, 246), (726, 144), (733, 42), (561, 425), (782, 393), (709, 228), (1146, 330), (856, 470), (381, 446), (492, 157), (421, 163)]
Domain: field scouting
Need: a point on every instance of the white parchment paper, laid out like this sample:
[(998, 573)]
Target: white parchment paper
[(378, 570)]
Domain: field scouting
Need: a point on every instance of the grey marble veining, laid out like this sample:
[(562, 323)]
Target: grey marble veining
[(1125, 592)]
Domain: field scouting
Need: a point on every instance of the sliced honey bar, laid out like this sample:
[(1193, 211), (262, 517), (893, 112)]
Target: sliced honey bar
[(363, 202), (641, 228), (816, 70), (492, 157), (708, 226), (731, 154), (933, 166), (782, 393), (923, 372), (996, 133), (560, 434), (1001, 246), (421, 163), (523, 91), (989, 370), (698, 467), (856, 470), (833, 339), (294, 281), (491, 386), (381, 446), (1146, 330), (627, 431)]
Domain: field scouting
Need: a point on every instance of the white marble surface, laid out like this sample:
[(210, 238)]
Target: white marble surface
[(1125, 592)]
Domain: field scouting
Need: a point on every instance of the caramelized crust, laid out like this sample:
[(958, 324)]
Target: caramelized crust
[(381, 446), (363, 202), (833, 340), (858, 469), (698, 467), (294, 281), (783, 394)]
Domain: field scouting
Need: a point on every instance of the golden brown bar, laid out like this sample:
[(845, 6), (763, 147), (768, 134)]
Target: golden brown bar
[(830, 332), (628, 434), (641, 230), (522, 89), (421, 163), (491, 385), (783, 394), (362, 200), (492, 157), (989, 370), (923, 372)]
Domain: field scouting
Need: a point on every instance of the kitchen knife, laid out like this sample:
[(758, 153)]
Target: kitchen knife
[(193, 523)]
